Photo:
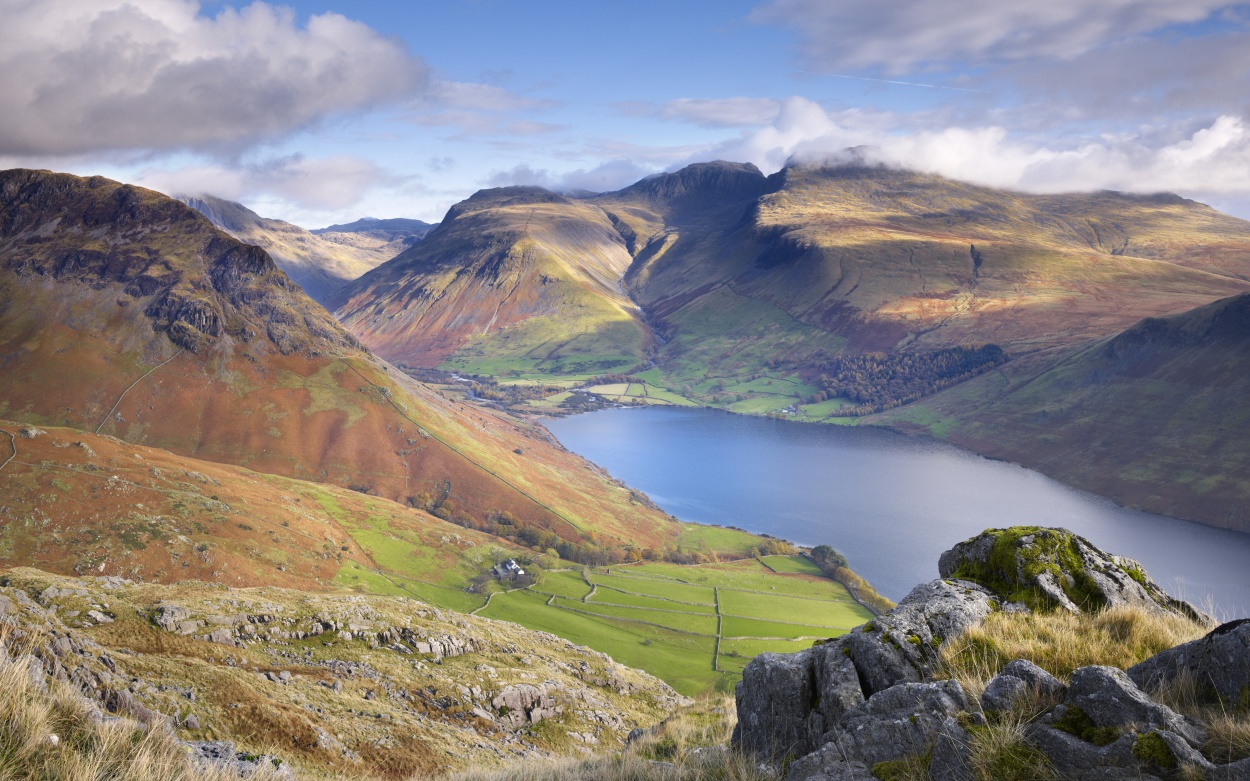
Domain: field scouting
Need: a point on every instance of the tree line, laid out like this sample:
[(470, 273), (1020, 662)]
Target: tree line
[(879, 381)]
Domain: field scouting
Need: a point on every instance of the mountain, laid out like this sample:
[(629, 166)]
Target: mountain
[(319, 262), (746, 275), (731, 278), (125, 312), (1154, 417), (389, 230), (83, 503), (515, 279)]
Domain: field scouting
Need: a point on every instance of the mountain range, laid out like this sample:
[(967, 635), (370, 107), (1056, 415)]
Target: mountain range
[(319, 261), (178, 336), (830, 293)]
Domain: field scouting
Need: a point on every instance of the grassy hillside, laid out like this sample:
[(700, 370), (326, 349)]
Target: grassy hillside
[(1154, 417), (514, 280), (319, 263), (82, 503)]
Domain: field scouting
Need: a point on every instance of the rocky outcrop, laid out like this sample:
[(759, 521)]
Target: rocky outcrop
[(788, 702), (866, 705), (1218, 665), (1044, 567)]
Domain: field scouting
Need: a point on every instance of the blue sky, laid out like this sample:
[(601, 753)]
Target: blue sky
[(324, 111)]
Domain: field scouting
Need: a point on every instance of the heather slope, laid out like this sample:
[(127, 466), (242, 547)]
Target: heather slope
[(1154, 417), (513, 279), (318, 263), (126, 312), (83, 503)]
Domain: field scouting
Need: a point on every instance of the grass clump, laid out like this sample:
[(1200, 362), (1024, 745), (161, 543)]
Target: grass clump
[(1060, 642), (1001, 751)]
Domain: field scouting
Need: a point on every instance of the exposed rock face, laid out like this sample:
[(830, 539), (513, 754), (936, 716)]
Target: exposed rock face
[(1219, 664), (1017, 681), (787, 702), (865, 705), (1055, 568)]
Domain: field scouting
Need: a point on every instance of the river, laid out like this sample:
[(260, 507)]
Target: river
[(890, 503)]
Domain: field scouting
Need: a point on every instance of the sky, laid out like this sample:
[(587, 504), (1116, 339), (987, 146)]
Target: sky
[(323, 111)]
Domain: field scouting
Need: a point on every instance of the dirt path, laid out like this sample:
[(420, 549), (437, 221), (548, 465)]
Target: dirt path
[(132, 385), (12, 444)]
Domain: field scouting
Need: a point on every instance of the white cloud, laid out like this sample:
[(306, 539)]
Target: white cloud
[(1213, 160), (901, 35), (96, 75), (605, 177), (331, 184)]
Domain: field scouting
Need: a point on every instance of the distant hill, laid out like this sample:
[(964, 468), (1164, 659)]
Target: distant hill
[(320, 263), (125, 312), (514, 279), (386, 230), (1154, 417)]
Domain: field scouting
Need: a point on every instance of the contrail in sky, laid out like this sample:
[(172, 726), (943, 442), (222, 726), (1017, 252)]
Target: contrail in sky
[(904, 83)]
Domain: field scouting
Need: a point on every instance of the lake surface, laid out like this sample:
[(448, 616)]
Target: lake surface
[(890, 503)]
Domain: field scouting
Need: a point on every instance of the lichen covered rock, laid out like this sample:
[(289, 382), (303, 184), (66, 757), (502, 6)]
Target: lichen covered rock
[(1055, 568)]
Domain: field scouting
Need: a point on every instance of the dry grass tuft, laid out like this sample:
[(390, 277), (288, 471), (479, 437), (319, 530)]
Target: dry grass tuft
[(690, 746), (1001, 751), (51, 733), (1060, 642)]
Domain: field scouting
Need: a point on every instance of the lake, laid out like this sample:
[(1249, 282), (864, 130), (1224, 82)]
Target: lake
[(889, 502)]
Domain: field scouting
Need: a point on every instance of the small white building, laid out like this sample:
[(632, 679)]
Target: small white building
[(508, 570)]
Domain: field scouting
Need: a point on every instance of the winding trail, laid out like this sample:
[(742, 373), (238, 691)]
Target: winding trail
[(116, 404), (12, 444)]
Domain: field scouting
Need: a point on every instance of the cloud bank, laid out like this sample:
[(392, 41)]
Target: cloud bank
[(1211, 159), (82, 76)]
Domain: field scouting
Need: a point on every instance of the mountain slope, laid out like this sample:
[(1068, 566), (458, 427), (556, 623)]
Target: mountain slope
[(82, 503), (1154, 417), (514, 279), (320, 264), (125, 312), (813, 262), (336, 686)]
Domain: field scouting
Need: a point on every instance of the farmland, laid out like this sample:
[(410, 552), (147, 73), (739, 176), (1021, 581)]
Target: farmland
[(694, 626)]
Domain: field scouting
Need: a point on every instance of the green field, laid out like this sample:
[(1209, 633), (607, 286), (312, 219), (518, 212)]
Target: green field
[(800, 565), (563, 583), (613, 597), (669, 619)]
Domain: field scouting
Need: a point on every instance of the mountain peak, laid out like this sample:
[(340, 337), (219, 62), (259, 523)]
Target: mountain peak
[(718, 180)]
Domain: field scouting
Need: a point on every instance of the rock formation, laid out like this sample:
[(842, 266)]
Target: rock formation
[(867, 705)]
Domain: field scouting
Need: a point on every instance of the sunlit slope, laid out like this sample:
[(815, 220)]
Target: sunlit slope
[(125, 311), (81, 503), (1155, 417), (320, 264), (513, 279), (817, 261)]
